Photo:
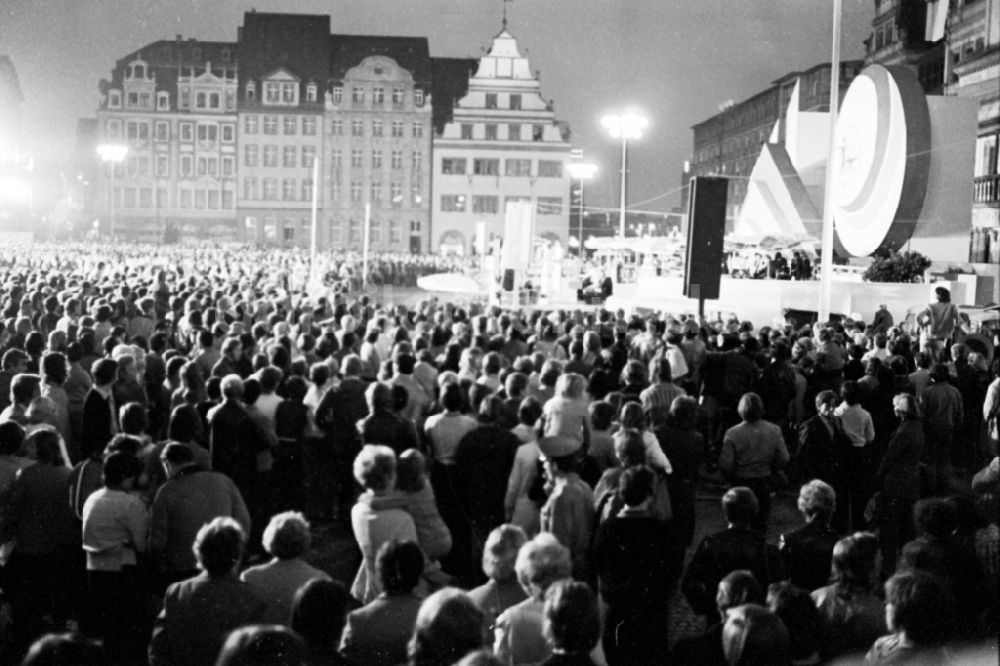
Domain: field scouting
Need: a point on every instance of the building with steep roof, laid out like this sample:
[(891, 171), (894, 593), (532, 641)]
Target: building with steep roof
[(503, 144), (173, 104)]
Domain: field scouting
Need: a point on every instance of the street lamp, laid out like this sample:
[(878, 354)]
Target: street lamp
[(581, 171), (112, 153), (624, 126)]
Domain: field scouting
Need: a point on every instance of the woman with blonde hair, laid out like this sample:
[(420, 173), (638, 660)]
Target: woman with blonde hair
[(503, 589), (566, 413)]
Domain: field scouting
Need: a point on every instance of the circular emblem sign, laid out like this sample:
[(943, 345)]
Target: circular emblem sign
[(882, 160)]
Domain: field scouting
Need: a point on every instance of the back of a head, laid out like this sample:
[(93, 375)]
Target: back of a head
[(262, 645), (796, 608), (754, 636), (66, 648), (741, 587), (740, 505), (920, 604), (541, 562), (500, 551), (11, 437), (399, 565), (219, 546), (935, 516), (319, 612), (853, 561), (572, 622), (629, 447), (635, 485), (449, 625)]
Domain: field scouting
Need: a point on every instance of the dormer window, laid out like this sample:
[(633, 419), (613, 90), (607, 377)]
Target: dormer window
[(251, 91), (418, 97), (137, 71), (338, 94), (227, 55), (311, 92), (162, 101), (280, 92)]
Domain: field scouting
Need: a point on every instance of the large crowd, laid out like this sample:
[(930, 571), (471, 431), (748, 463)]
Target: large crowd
[(521, 486)]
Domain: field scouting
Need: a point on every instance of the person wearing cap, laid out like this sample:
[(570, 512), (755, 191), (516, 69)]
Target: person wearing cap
[(568, 512), (940, 320)]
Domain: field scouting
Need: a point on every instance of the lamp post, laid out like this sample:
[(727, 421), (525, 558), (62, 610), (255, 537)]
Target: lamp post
[(581, 171), (112, 154), (624, 126)]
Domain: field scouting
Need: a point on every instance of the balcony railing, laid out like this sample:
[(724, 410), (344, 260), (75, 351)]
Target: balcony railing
[(986, 189)]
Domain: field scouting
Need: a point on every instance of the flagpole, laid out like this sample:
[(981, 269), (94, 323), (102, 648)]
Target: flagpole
[(826, 268)]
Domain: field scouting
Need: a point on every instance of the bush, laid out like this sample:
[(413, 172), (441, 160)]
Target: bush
[(897, 267)]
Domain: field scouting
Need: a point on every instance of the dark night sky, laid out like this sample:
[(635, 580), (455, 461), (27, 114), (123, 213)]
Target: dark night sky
[(676, 60)]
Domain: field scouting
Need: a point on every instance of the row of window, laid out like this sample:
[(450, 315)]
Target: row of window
[(188, 166), (457, 166), (281, 93), (513, 102), (360, 128), (378, 95), (187, 197), (292, 189), (376, 231), (511, 132), (138, 131), (378, 194), (289, 155), (196, 100), (376, 159), (458, 203), (289, 125)]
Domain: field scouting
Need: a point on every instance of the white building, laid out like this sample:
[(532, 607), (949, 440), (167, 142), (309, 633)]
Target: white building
[(502, 145)]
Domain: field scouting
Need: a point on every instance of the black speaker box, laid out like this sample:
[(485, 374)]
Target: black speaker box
[(706, 229)]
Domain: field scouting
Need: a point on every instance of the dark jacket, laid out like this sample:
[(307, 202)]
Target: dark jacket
[(900, 466), (235, 441), (705, 649), (338, 413), (97, 415), (821, 455), (377, 634), (384, 427), (806, 554), (37, 514), (483, 460)]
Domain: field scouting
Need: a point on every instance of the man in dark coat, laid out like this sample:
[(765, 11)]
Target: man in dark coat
[(100, 414), (822, 447)]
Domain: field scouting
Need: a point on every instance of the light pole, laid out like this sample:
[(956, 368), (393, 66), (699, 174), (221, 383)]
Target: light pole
[(624, 126), (581, 171), (112, 154)]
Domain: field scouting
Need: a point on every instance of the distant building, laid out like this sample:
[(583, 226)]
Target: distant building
[(11, 99), (16, 188), (173, 104), (898, 34), (284, 67), (729, 143), (503, 144)]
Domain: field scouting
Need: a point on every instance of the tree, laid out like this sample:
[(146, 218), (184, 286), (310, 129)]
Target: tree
[(897, 267)]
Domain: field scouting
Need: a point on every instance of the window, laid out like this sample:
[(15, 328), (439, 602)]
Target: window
[(377, 126), (187, 166), (355, 191), (491, 132), (337, 95), (163, 101), (397, 159), (288, 189), (396, 193), (162, 197), (309, 126), (114, 129), (453, 166), (418, 97), (250, 155), (336, 231), (550, 169), (228, 166), (418, 160), (289, 156), (137, 131), (356, 157), (311, 92), (517, 168), (307, 189), (397, 128), (357, 128), (414, 226), (335, 191), (162, 131), (355, 233), (486, 167), (378, 95), (415, 194), (290, 125), (208, 133), (308, 155), (397, 96), (251, 91), (250, 124), (376, 192), (550, 205), (537, 132), (491, 100), (270, 124), (376, 159), (485, 204), (375, 232), (357, 95), (270, 156), (452, 203), (228, 133), (270, 189), (115, 99), (162, 165), (208, 166), (418, 130), (228, 201), (337, 128), (249, 187), (395, 232), (288, 231), (336, 158), (515, 102), (514, 132), (466, 131), (186, 197), (185, 98)]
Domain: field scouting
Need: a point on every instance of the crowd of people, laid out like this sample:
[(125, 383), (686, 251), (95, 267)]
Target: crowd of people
[(521, 486)]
